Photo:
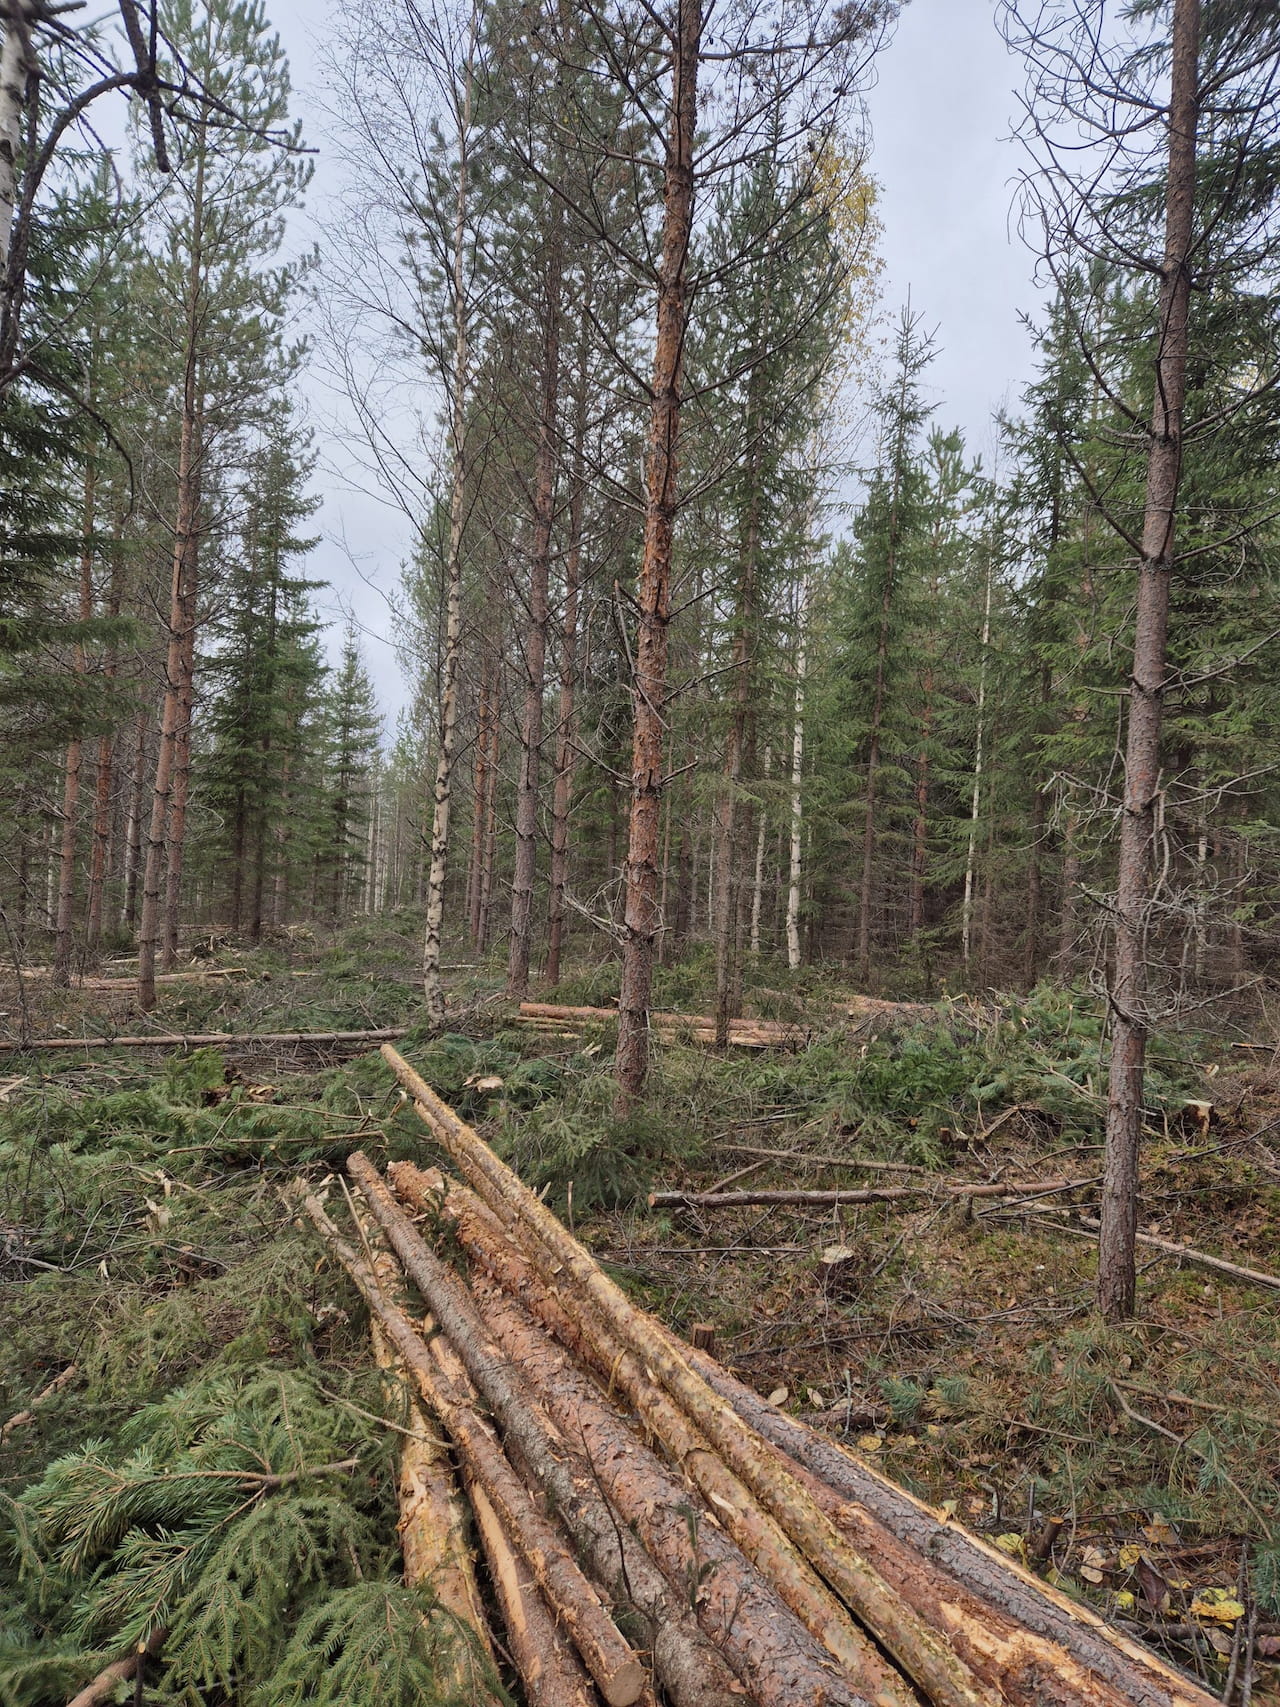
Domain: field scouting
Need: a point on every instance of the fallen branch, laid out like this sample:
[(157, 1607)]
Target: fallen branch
[(103, 1687), (577, 1607), (208, 1039), (21, 1418), (1199, 1259), (869, 1194), (907, 1637)]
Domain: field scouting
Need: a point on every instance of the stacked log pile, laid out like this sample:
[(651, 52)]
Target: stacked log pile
[(651, 1530)]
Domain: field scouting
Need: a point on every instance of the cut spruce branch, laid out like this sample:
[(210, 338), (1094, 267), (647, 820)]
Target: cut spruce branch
[(208, 1040), (577, 1607), (784, 1660), (1026, 1667), (691, 1672), (20, 1419), (866, 1194), (906, 1636), (1134, 1673)]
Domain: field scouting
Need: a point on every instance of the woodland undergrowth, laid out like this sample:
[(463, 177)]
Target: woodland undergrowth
[(217, 1465)]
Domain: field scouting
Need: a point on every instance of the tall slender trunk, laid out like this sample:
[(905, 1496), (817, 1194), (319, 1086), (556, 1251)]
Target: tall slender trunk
[(649, 685), (1031, 945), (174, 749), (535, 639), (103, 816), (975, 797), (757, 875), (489, 849), (446, 753), (920, 824), (1129, 1019), (15, 64), (176, 848), (486, 746), (566, 742), (795, 868), (63, 940), (133, 824)]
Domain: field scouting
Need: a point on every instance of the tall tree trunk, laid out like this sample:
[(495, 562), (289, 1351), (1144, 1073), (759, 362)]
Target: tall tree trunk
[(75, 753), (16, 62), (103, 816), (535, 640), (649, 684), (757, 876), (133, 823), (181, 783), (1031, 945), (489, 846), (446, 754), (486, 732), (566, 742), (1129, 1019), (795, 870), (920, 825), (975, 798)]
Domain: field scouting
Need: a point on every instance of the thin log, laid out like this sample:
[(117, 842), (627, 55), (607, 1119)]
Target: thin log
[(1133, 1672), (866, 1194), (20, 1419), (1199, 1259), (782, 1659), (689, 1670), (1026, 1667), (907, 1637), (207, 1039), (550, 1672), (577, 1607)]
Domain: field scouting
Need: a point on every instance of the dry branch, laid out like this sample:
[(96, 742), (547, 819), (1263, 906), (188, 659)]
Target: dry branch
[(899, 1629), (103, 1687), (577, 1606), (206, 1039), (864, 1194), (1199, 1259), (782, 1663)]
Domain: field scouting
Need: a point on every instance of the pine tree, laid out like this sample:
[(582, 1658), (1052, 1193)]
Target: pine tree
[(352, 731)]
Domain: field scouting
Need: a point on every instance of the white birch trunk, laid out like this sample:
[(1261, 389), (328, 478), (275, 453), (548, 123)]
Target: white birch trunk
[(15, 59), (797, 778)]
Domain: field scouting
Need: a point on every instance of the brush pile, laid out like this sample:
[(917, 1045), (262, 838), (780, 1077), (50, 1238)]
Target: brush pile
[(651, 1529)]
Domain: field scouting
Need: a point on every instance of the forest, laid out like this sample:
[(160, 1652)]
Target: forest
[(727, 1150)]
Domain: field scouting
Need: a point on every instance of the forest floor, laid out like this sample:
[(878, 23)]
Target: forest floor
[(143, 1239)]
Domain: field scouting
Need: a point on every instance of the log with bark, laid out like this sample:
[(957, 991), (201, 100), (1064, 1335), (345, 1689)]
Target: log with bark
[(700, 1028), (907, 1637), (781, 1661), (208, 1040), (914, 1547), (577, 1606)]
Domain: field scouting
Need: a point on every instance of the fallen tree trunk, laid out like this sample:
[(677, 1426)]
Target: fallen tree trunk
[(860, 1194), (1132, 1671), (745, 1033), (692, 1673), (1028, 1668), (780, 1658), (207, 1039), (576, 1605), (909, 1640)]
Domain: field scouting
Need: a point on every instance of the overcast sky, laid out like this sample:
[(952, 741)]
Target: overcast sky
[(941, 111)]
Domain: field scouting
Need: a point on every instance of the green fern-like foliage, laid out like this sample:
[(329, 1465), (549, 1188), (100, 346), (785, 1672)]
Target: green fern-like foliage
[(240, 1515)]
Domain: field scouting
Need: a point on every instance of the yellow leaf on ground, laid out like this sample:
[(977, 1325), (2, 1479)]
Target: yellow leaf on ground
[(1129, 1555), (778, 1396), (1219, 1603), (870, 1442), (1013, 1545), (1125, 1601)]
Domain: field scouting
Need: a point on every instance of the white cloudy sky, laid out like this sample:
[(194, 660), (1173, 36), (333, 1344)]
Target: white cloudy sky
[(941, 112)]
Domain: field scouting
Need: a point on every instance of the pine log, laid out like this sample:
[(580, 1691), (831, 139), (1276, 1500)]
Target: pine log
[(907, 1637), (1134, 1673), (1030, 1668), (781, 1661), (551, 1674), (577, 1607), (861, 1194), (691, 1672), (432, 1525), (205, 1040)]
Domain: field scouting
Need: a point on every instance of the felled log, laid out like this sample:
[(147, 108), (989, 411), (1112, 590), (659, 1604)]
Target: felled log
[(782, 1662), (1026, 1667), (433, 1523), (576, 1605), (1125, 1669), (862, 1194), (691, 1672), (206, 1040), (700, 1028), (907, 1637)]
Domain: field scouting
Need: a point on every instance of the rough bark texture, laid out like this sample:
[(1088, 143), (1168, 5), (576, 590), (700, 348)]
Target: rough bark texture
[(649, 684), (15, 60), (577, 1606), (899, 1630), (75, 754), (1129, 1019)]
